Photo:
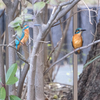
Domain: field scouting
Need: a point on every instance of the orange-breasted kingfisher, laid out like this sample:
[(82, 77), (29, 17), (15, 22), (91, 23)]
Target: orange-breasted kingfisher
[(24, 37), (77, 40)]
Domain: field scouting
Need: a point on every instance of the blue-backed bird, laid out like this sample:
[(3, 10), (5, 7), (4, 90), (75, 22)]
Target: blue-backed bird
[(77, 40), (24, 37)]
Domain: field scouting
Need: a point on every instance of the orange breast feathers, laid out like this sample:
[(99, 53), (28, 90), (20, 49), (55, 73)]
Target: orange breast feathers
[(26, 36), (77, 41)]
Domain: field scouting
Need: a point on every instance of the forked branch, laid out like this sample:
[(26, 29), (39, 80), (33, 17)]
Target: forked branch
[(70, 54)]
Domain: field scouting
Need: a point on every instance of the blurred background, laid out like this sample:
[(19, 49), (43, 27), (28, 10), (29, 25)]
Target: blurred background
[(63, 72)]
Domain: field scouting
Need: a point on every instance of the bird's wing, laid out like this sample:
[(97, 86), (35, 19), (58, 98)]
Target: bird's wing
[(72, 42), (82, 42), (17, 41)]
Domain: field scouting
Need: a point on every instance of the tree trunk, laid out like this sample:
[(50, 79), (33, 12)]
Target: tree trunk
[(89, 81), (11, 51), (39, 86), (2, 73)]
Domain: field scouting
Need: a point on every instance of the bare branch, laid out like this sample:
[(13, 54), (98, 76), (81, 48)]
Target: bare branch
[(66, 10), (57, 15), (33, 58), (53, 16), (15, 5), (2, 75), (63, 37), (7, 2), (54, 76), (70, 54), (21, 80), (89, 12), (39, 41), (52, 51), (73, 15), (24, 73), (24, 93), (43, 29), (22, 58), (4, 39), (30, 1)]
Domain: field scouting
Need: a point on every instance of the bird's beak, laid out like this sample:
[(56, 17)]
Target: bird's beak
[(83, 29)]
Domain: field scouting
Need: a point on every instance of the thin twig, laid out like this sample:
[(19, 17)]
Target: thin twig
[(23, 59), (70, 54), (23, 96), (52, 51), (73, 15), (56, 73), (19, 55), (89, 12), (61, 25), (4, 39), (40, 41), (95, 31)]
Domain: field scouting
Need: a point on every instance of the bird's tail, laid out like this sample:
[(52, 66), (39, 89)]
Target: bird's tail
[(78, 52), (18, 46)]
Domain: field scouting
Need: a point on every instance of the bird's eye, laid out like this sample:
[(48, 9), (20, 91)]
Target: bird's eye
[(77, 31)]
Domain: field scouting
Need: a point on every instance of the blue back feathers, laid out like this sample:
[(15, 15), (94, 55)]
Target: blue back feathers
[(17, 41)]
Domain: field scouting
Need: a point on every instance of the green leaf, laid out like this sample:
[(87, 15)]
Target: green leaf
[(55, 97), (56, 2), (18, 31), (78, 73), (15, 23), (53, 2), (50, 58), (89, 62), (83, 54), (70, 80), (13, 97), (28, 17), (24, 12), (2, 93), (49, 45), (47, 2), (38, 6), (10, 79)]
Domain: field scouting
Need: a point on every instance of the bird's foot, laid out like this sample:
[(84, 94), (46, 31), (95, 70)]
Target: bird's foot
[(74, 50), (23, 44)]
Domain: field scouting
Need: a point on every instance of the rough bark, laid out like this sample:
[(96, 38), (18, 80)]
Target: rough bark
[(43, 31), (89, 80), (21, 80), (39, 85), (10, 11), (7, 62), (32, 70), (2, 74), (10, 52)]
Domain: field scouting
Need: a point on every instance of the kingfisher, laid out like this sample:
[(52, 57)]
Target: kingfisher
[(77, 40), (24, 37)]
